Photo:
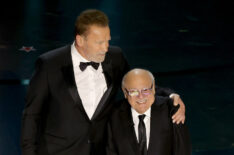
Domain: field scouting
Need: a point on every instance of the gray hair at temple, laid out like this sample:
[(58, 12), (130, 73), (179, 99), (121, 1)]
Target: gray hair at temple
[(136, 71)]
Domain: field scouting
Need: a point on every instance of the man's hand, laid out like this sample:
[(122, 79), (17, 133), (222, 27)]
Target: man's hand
[(179, 116)]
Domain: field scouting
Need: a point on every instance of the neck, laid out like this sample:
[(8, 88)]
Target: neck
[(80, 50)]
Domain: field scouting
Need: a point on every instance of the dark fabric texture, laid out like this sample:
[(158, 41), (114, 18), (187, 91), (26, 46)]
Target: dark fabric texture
[(54, 120), (166, 138)]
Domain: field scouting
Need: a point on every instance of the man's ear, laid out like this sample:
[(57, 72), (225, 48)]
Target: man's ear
[(154, 89), (79, 40), (124, 92)]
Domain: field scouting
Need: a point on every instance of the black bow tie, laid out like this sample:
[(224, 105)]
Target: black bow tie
[(83, 65)]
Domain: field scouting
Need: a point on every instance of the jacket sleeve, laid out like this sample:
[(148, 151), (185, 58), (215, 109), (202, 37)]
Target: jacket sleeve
[(181, 138), (36, 97), (166, 92), (182, 143)]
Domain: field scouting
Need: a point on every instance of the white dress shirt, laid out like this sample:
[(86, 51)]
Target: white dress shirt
[(135, 118), (91, 83)]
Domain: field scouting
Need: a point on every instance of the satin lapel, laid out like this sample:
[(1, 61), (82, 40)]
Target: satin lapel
[(154, 128), (102, 102), (69, 77), (107, 70), (126, 116)]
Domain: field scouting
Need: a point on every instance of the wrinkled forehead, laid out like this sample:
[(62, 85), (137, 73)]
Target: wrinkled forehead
[(92, 29)]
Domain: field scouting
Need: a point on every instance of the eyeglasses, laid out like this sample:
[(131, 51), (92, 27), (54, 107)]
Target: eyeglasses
[(136, 92)]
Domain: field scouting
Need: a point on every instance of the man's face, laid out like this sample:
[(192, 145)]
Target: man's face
[(142, 100), (94, 45)]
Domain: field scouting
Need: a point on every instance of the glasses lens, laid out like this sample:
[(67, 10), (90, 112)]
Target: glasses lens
[(144, 91), (133, 93)]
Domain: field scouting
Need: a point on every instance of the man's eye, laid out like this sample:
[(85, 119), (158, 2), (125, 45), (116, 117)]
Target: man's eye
[(144, 90), (134, 93)]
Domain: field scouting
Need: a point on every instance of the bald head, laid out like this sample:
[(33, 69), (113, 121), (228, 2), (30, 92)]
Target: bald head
[(137, 73)]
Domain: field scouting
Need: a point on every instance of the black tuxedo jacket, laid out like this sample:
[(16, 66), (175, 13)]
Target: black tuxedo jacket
[(166, 138), (54, 120)]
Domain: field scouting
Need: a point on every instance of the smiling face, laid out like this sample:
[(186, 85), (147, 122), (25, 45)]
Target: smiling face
[(94, 44), (139, 82)]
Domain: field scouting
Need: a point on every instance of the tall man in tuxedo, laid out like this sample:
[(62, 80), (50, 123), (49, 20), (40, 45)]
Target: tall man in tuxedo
[(71, 93), (142, 124)]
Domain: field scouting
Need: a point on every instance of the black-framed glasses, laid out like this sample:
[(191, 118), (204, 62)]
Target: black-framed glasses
[(136, 92)]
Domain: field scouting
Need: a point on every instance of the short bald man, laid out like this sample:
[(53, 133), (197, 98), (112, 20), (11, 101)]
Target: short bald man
[(142, 124)]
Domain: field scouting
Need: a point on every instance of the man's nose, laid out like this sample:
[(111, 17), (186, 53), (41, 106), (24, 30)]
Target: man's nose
[(140, 95), (105, 47)]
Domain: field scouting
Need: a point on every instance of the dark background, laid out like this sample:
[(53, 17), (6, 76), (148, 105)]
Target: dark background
[(187, 44)]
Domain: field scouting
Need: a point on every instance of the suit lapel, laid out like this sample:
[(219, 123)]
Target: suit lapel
[(107, 70), (126, 117), (68, 74), (155, 126)]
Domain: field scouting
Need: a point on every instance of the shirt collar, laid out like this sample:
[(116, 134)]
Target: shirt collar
[(135, 114), (77, 58)]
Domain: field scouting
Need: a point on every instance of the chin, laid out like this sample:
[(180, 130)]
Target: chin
[(141, 110), (99, 60)]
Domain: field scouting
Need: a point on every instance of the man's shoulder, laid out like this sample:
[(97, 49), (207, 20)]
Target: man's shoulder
[(60, 52), (114, 49), (114, 52), (162, 100), (165, 104), (116, 56)]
